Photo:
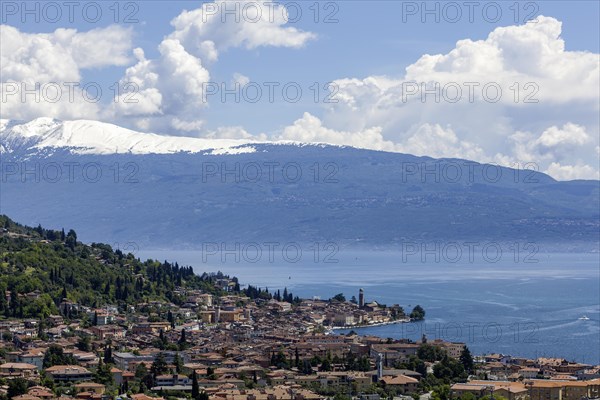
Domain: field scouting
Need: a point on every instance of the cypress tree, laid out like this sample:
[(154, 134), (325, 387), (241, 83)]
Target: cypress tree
[(195, 386)]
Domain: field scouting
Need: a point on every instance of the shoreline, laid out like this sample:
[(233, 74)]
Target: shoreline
[(358, 326)]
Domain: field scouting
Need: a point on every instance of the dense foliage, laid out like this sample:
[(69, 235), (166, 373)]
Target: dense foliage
[(40, 268)]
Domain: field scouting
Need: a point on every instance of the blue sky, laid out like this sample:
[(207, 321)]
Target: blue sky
[(366, 52)]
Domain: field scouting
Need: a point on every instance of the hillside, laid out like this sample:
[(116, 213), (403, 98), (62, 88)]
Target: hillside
[(54, 265)]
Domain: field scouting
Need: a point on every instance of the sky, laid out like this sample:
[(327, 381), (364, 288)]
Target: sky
[(512, 83)]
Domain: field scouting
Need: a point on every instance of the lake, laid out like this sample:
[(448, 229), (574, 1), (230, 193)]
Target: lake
[(523, 306)]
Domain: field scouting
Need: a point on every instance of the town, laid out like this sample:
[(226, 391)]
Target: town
[(235, 347), (81, 321)]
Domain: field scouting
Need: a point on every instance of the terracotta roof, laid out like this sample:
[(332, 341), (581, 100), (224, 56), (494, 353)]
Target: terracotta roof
[(17, 366), (398, 380)]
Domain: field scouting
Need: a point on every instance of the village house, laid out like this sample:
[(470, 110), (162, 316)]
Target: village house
[(394, 351), (19, 370), (401, 383), (68, 373), (35, 357), (122, 360), (173, 380), (103, 332)]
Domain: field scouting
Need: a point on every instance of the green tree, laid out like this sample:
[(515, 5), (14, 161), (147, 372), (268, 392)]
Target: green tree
[(414, 363), (183, 343), (17, 387), (339, 297), (467, 360), (449, 370), (71, 240), (108, 358), (195, 386), (178, 362), (429, 352), (279, 360), (141, 371), (171, 319), (159, 366), (418, 313), (325, 365), (210, 373), (306, 367), (103, 374), (441, 392), (55, 355), (468, 396), (84, 343)]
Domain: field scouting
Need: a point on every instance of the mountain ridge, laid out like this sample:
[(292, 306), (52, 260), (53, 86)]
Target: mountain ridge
[(94, 137), (293, 192)]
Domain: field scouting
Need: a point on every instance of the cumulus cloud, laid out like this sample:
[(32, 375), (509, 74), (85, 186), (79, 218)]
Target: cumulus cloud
[(442, 107), (165, 93), (47, 66), (187, 126), (234, 132), (170, 89), (59, 56), (553, 144), (310, 129), (569, 135), (428, 139), (240, 79), (101, 47), (570, 172), (434, 140), (532, 52), (562, 152), (219, 25)]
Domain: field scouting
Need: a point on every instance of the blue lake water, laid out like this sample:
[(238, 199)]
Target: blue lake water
[(523, 307)]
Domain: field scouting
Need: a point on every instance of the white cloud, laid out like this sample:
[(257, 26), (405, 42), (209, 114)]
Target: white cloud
[(54, 62), (570, 172), (234, 132), (240, 79), (187, 126), (562, 152), (35, 57), (533, 52), (553, 144), (435, 141), (59, 56), (569, 134), (100, 47), (170, 89), (210, 29), (564, 83), (310, 129), (427, 139)]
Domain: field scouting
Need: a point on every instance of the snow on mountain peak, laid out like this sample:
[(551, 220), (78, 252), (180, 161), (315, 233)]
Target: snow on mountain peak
[(94, 137)]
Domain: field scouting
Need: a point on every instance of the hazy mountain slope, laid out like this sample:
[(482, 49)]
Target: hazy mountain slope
[(344, 195)]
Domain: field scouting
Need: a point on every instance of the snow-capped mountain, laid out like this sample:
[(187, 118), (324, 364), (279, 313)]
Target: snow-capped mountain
[(94, 137), (111, 183)]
